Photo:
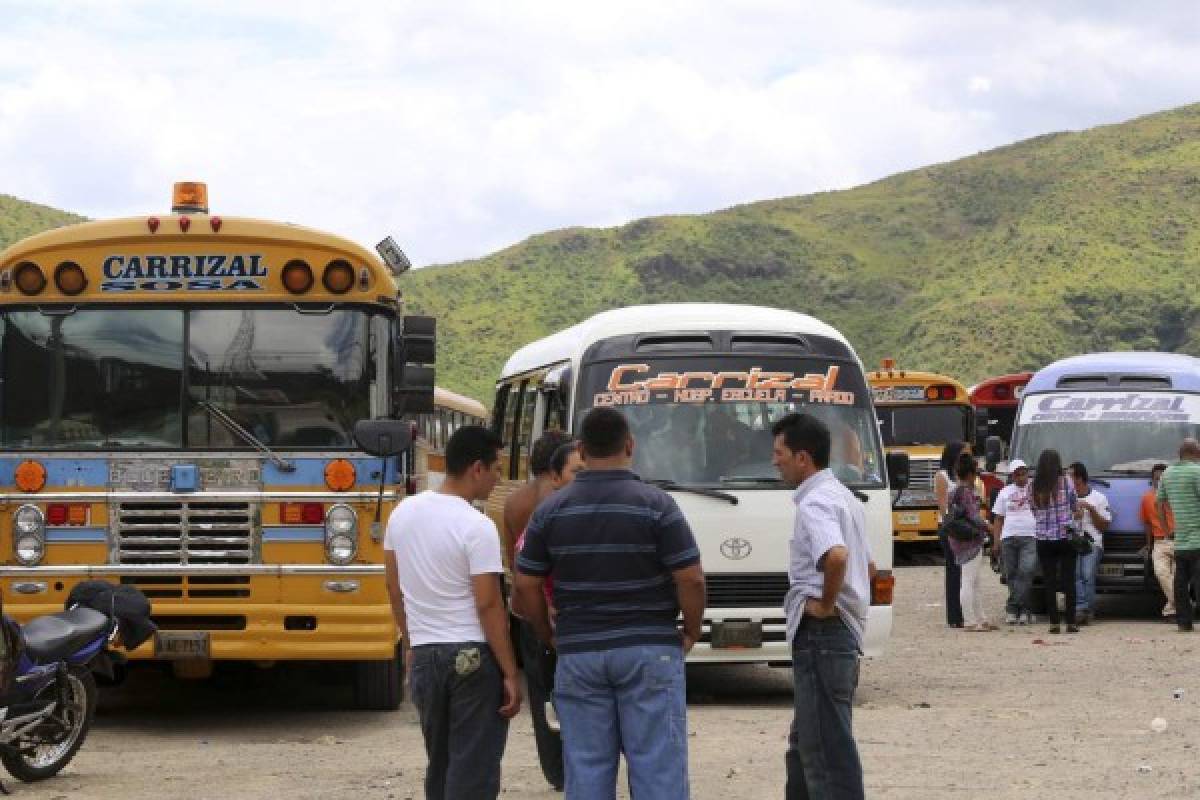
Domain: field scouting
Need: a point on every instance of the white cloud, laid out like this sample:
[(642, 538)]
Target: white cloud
[(462, 127)]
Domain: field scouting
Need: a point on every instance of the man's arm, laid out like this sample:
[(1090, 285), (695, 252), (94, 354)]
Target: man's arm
[(396, 596), (833, 566), (689, 589), (493, 618), (529, 603), (1101, 519)]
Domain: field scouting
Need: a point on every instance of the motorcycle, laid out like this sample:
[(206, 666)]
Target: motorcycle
[(48, 688)]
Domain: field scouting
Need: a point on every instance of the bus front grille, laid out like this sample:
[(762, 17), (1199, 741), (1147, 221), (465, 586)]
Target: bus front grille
[(746, 590), (921, 472), (184, 532)]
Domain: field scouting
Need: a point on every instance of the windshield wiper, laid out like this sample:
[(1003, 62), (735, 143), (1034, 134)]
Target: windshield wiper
[(669, 485), (751, 479), (249, 438)]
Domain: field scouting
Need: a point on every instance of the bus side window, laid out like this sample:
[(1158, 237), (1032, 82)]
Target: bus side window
[(556, 412), (508, 404), (529, 397)]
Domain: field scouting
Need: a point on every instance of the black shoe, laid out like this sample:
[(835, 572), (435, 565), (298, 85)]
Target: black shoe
[(1055, 629), (1186, 628), (1084, 619), (1072, 629)]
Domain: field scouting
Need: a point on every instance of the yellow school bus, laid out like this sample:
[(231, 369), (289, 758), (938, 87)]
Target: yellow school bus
[(450, 412), (919, 412), (178, 412)]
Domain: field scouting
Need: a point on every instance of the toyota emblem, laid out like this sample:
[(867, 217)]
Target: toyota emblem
[(735, 548)]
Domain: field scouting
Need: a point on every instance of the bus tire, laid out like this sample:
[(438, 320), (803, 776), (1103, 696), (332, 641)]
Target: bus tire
[(379, 685)]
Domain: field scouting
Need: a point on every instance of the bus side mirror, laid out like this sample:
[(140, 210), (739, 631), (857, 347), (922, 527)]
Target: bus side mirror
[(897, 470), (383, 437), (414, 350), (993, 452)]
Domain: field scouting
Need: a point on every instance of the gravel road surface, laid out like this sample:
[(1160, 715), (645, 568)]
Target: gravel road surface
[(945, 714)]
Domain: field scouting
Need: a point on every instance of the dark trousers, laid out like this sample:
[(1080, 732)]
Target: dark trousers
[(954, 615), (822, 758), (457, 689), (1058, 560), (540, 662), (1187, 573)]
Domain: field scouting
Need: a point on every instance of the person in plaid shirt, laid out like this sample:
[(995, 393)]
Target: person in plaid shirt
[(1054, 506)]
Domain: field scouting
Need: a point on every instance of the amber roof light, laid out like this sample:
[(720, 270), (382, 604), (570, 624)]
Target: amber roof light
[(297, 276), (190, 196), (70, 278), (29, 278), (339, 276)]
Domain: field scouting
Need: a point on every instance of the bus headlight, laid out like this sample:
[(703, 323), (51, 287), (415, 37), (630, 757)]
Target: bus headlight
[(29, 535), (341, 534)]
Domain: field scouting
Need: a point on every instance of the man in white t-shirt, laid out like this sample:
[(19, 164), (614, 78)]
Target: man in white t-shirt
[(1013, 528), (1094, 517), (443, 578)]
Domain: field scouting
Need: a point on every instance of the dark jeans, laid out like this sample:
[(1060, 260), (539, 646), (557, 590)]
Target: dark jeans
[(1020, 560), (822, 758), (457, 689), (1058, 561), (539, 678), (954, 615), (1187, 572)]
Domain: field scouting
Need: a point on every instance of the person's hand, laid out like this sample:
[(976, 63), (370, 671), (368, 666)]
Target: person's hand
[(817, 608), (688, 642), (512, 696)]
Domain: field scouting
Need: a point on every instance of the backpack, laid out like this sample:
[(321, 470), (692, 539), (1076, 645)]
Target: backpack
[(957, 523)]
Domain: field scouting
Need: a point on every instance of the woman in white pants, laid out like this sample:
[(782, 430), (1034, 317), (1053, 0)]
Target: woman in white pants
[(968, 552)]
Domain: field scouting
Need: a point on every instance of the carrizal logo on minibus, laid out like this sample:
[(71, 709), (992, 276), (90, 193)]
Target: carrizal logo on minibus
[(752, 385), (197, 273)]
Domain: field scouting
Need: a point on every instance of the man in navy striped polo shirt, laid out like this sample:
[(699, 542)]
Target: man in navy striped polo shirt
[(625, 564)]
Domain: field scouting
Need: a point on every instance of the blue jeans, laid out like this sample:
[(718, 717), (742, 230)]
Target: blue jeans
[(1020, 563), (1085, 580), (629, 700), (822, 757)]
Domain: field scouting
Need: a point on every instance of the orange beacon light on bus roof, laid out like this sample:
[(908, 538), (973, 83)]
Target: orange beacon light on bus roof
[(190, 196)]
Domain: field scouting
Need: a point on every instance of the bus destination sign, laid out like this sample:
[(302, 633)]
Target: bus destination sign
[(631, 384), (898, 394), (196, 273)]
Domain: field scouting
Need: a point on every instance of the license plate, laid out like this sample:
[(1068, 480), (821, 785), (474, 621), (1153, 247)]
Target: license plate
[(736, 634), (909, 519), (1112, 570), (181, 644)]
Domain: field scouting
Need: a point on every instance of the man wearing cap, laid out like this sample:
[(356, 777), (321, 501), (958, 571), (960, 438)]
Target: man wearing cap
[(1013, 527)]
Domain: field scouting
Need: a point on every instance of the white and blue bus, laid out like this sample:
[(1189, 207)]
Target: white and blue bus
[(1118, 414)]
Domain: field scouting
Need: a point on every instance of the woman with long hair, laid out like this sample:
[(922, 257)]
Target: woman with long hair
[(968, 553), (1054, 503), (943, 485)]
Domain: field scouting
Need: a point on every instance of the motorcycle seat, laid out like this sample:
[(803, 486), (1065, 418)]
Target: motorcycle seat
[(56, 636)]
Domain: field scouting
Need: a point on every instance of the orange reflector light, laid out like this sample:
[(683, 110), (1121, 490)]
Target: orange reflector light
[(297, 277), (69, 278), (190, 196), (29, 278), (301, 513), (882, 588), (338, 277), (77, 514), (339, 475), (30, 476)]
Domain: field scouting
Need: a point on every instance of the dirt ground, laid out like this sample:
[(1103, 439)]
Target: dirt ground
[(944, 714)]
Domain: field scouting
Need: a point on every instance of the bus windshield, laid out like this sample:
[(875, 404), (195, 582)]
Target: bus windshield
[(114, 378), (706, 421), (1110, 432), (930, 425)]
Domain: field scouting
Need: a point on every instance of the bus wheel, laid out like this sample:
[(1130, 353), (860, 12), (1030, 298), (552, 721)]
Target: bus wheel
[(378, 685)]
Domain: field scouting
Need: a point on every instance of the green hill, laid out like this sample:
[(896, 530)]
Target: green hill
[(19, 219), (1006, 260)]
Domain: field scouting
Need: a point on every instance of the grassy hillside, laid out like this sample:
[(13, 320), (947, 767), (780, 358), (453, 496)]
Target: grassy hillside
[(1002, 261), (19, 219)]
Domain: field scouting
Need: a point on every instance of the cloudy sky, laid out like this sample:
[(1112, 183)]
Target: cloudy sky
[(462, 127)]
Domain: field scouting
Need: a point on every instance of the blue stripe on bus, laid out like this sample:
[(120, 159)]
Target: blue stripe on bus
[(285, 534), (58, 535), (61, 472), (311, 472)]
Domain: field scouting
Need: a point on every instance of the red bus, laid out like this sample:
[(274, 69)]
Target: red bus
[(999, 398)]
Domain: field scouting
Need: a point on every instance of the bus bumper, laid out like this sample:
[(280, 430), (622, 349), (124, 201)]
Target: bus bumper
[(775, 647), (283, 613)]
